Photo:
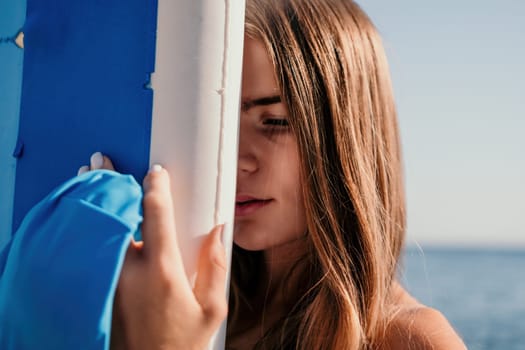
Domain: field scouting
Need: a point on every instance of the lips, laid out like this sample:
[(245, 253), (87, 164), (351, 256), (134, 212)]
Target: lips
[(246, 205)]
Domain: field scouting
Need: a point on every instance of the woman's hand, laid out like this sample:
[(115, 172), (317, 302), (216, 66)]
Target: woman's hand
[(155, 306)]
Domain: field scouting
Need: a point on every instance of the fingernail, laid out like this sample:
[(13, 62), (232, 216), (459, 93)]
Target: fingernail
[(83, 169), (155, 168), (96, 160)]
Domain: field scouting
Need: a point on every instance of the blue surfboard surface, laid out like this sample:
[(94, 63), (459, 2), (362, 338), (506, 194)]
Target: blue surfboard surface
[(85, 88), (12, 16)]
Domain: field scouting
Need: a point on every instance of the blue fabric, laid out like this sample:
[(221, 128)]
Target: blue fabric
[(59, 272), (85, 88)]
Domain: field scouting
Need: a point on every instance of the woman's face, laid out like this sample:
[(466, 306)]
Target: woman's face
[(269, 210)]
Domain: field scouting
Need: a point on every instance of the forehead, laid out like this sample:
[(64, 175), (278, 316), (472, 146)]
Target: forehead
[(258, 76)]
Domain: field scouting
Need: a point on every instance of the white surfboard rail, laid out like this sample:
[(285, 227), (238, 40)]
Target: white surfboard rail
[(196, 85)]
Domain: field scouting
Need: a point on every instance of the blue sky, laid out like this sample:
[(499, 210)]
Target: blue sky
[(458, 69)]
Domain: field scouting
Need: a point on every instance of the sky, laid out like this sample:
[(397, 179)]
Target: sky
[(458, 70)]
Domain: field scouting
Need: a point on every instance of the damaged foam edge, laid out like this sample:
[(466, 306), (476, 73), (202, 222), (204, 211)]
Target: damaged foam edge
[(232, 44), (222, 92), (17, 40)]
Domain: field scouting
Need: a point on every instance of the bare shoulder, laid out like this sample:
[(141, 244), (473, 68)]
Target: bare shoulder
[(418, 327)]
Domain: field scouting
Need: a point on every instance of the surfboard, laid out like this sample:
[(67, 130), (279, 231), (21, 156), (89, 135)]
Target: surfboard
[(144, 82)]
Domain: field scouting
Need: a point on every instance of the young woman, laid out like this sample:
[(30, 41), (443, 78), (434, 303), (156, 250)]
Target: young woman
[(320, 212), (320, 215)]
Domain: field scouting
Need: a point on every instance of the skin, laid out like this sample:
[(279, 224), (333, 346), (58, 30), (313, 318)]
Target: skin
[(268, 165), (417, 326), (156, 308)]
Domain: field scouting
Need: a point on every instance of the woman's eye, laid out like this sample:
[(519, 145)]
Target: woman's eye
[(276, 122)]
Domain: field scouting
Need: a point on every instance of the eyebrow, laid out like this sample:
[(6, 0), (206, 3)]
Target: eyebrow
[(263, 101)]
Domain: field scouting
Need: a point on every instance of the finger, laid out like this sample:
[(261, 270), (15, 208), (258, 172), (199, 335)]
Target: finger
[(100, 161), (107, 164), (96, 161), (158, 231), (83, 169), (211, 278)]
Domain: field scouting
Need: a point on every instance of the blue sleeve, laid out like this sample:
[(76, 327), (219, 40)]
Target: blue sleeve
[(59, 272)]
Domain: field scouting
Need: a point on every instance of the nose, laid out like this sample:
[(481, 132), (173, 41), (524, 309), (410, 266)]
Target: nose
[(247, 162)]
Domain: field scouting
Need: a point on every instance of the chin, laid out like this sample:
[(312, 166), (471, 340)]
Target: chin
[(249, 245), (250, 237)]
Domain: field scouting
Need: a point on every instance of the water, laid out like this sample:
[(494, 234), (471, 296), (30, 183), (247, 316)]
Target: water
[(480, 291)]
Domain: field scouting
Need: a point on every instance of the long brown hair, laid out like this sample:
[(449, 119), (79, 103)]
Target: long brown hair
[(333, 76)]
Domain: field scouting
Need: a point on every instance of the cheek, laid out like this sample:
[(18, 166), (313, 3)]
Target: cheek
[(291, 217), (291, 184), (292, 189)]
